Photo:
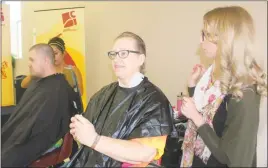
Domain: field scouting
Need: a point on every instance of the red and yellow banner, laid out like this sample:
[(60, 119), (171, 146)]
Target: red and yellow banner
[(7, 80), (67, 24)]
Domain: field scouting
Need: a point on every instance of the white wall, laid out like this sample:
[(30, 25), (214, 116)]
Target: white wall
[(171, 31)]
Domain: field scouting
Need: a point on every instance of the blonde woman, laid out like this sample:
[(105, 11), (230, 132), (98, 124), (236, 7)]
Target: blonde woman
[(223, 110)]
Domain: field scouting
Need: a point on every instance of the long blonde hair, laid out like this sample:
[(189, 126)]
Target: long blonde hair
[(232, 29)]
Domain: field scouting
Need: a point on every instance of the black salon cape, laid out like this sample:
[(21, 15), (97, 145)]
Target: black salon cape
[(40, 119), (126, 113)]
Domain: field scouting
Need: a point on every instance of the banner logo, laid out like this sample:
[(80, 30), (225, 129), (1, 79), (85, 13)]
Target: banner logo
[(69, 19)]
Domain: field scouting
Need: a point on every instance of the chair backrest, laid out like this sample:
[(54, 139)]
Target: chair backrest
[(172, 153), (19, 90), (57, 156)]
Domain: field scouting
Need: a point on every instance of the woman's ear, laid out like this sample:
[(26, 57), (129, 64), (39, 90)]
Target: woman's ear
[(141, 59)]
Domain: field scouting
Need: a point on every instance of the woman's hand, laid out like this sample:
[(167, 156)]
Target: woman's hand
[(82, 130), (189, 110), (197, 73)]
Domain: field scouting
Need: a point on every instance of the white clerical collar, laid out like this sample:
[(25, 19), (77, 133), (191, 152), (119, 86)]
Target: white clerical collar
[(135, 81)]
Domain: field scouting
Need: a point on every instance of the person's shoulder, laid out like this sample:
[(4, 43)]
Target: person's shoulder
[(104, 90), (59, 83), (250, 96), (108, 87), (156, 93), (74, 68), (249, 100), (71, 68), (250, 93)]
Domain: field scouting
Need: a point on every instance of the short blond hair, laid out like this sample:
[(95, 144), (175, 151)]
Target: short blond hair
[(45, 50)]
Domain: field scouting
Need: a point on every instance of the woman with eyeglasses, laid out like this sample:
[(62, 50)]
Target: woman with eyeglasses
[(127, 122), (224, 109)]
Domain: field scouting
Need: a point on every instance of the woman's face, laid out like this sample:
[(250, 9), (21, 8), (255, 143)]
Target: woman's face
[(59, 56), (130, 59), (209, 47)]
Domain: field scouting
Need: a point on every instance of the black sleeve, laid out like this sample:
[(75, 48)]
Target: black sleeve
[(237, 146), (191, 91)]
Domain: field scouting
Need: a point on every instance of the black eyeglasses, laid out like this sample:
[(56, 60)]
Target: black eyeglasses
[(204, 37), (122, 53)]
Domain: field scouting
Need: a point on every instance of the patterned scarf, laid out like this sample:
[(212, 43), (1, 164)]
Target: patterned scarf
[(207, 98)]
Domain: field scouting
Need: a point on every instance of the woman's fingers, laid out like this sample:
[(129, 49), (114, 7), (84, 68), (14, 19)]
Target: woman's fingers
[(81, 119), (72, 131)]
